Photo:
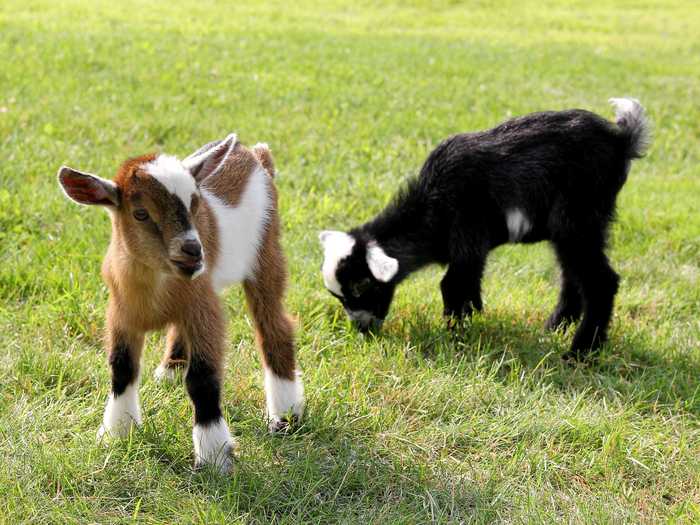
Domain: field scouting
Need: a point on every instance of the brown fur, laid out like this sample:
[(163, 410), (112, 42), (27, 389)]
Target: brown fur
[(263, 154), (229, 183), (147, 292), (264, 294)]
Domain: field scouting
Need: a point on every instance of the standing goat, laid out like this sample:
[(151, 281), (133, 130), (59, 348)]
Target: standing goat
[(546, 176), (181, 231)]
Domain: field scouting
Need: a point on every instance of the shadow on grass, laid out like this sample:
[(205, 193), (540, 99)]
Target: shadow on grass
[(334, 470), (320, 473), (628, 367)]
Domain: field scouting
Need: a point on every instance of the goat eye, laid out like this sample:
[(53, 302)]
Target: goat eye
[(195, 205), (140, 214), (360, 287)]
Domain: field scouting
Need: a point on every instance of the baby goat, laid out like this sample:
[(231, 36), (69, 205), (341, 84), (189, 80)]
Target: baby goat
[(546, 176), (182, 231)]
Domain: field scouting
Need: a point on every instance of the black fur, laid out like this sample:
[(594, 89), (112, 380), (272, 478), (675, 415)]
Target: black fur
[(178, 353), (361, 291), (124, 369), (204, 387), (562, 170)]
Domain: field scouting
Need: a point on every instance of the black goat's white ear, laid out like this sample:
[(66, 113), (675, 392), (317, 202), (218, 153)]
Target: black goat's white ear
[(383, 267), (210, 158), (337, 244), (85, 188), (327, 236)]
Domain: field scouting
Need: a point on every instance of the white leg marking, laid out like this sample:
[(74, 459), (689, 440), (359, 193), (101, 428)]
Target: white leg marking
[(284, 396), (213, 445), (165, 374), (518, 224), (121, 413)]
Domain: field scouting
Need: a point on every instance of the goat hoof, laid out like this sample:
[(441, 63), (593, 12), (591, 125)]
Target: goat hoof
[(553, 323), (585, 344), (165, 374), (223, 463), (578, 356), (283, 425), (455, 322), (580, 352), (559, 320), (104, 434)]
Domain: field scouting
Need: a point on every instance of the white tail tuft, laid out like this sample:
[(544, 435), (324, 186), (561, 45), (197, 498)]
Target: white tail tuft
[(631, 118)]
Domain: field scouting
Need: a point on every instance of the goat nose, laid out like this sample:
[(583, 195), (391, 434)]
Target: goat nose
[(192, 248)]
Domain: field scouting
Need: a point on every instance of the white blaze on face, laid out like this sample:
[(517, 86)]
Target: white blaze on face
[(336, 247), (518, 224), (170, 172)]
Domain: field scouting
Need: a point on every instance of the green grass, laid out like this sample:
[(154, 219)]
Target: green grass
[(412, 426)]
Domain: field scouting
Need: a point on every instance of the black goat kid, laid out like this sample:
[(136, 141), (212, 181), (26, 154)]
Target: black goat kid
[(546, 176)]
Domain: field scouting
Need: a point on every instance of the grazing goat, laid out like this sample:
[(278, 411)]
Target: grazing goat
[(181, 231), (546, 176)]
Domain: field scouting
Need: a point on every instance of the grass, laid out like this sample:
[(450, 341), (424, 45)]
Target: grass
[(412, 426)]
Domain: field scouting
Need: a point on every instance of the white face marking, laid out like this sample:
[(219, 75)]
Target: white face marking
[(382, 266), (518, 224), (283, 395), (170, 172), (336, 247), (240, 230), (213, 445), (121, 413)]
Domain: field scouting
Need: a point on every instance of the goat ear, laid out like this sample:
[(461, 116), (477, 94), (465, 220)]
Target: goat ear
[(264, 155), (383, 267), (210, 158), (325, 236), (330, 239), (85, 188)]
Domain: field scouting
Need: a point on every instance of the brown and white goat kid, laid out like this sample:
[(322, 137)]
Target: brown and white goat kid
[(182, 231)]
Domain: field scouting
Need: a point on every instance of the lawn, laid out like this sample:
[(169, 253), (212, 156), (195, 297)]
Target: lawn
[(414, 425)]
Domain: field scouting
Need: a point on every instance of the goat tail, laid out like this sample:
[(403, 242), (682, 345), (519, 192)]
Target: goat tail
[(631, 118), (264, 155)]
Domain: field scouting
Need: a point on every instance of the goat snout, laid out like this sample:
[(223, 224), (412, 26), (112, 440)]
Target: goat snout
[(364, 321), (187, 255), (192, 248)]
